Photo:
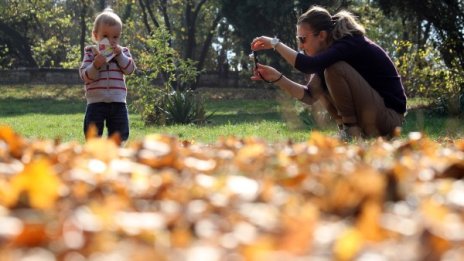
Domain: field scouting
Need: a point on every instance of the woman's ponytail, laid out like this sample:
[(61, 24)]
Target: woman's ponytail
[(344, 23)]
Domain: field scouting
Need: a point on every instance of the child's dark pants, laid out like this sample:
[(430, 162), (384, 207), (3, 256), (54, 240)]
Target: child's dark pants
[(114, 114)]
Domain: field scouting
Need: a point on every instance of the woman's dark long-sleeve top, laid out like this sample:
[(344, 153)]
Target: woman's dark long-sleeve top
[(366, 57)]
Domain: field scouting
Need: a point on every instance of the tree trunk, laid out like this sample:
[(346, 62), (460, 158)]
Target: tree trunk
[(189, 22), (83, 28), (144, 16), (191, 15), (19, 45), (127, 12), (167, 22), (150, 12), (206, 47)]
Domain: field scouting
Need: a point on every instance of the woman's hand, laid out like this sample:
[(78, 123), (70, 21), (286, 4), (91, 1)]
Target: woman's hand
[(267, 72), (261, 43)]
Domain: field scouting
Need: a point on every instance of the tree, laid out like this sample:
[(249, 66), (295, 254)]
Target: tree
[(14, 41), (15, 48), (446, 17), (37, 33), (43, 33), (272, 18), (191, 23), (254, 18), (431, 26)]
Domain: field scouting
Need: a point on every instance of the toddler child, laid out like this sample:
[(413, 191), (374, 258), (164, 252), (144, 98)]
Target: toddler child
[(103, 70)]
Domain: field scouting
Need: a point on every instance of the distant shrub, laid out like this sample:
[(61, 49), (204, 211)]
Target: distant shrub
[(425, 75), (184, 107), (173, 102)]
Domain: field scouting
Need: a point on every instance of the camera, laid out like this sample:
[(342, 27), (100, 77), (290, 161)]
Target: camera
[(254, 57)]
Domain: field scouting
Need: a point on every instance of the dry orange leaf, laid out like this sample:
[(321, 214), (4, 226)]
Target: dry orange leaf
[(92, 132), (181, 237), (436, 246), (159, 151), (459, 144), (369, 183), (297, 200), (14, 141), (298, 229), (343, 197), (292, 181), (33, 234), (368, 222)]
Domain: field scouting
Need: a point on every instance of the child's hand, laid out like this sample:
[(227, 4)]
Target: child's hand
[(99, 60), (117, 49)]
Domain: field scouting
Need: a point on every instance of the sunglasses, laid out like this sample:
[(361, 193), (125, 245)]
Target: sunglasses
[(302, 39)]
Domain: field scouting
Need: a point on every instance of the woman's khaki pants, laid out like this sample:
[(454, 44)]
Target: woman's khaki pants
[(351, 100)]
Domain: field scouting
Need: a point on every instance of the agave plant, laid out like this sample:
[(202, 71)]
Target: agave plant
[(184, 107)]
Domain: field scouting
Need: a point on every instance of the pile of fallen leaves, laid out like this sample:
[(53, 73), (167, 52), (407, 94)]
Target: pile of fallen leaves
[(238, 199)]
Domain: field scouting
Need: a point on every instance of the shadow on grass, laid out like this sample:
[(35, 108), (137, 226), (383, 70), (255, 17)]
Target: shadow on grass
[(239, 118), (10, 107), (433, 124)]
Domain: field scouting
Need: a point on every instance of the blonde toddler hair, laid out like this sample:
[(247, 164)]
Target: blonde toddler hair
[(108, 17)]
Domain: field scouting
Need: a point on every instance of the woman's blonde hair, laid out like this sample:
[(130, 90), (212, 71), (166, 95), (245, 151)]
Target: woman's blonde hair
[(339, 25), (107, 17)]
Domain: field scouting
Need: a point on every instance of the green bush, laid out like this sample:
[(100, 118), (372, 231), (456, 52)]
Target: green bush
[(184, 107), (147, 99), (159, 92), (425, 75)]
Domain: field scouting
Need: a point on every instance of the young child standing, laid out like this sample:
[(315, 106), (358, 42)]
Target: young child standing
[(105, 87)]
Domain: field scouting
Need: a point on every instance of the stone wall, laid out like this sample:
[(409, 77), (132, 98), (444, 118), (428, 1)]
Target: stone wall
[(71, 77), (40, 76)]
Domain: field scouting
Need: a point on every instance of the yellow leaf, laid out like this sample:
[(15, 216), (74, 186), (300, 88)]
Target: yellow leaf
[(39, 181), (6, 195), (102, 149), (261, 249), (348, 244), (434, 211), (251, 157), (322, 141)]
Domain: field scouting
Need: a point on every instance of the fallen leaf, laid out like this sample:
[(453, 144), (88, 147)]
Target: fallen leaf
[(349, 244), (40, 182)]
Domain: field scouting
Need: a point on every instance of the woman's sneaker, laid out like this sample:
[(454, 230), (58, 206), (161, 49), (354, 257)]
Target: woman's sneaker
[(350, 133)]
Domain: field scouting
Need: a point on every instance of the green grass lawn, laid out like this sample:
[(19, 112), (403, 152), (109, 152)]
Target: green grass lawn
[(49, 112)]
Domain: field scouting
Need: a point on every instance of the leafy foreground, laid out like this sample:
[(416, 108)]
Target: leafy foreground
[(237, 199)]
